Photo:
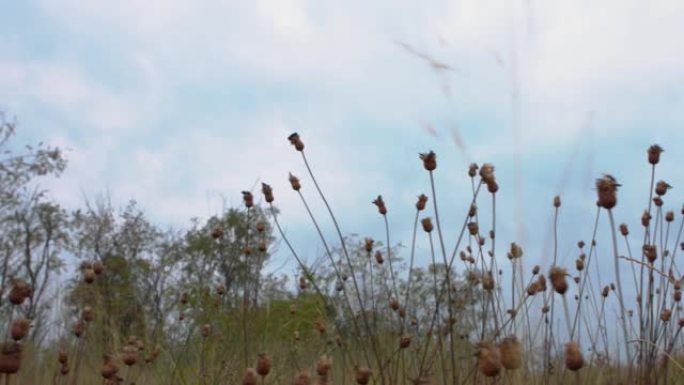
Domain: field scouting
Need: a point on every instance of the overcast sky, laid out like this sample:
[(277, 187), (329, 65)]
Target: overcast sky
[(181, 105)]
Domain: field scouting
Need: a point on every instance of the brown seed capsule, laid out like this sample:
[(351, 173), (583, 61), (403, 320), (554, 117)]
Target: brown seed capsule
[(650, 253), (654, 154), (79, 328), (681, 322), (247, 250), (511, 353), (533, 288), (248, 199), (296, 141), (658, 201), (429, 160), (556, 201), (109, 368), (661, 187), (515, 252), (323, 366), (427, 224), (320, 327), (488, 281), (206, 330), (302, 378), (473, 228), (89, 276), (605, 291), (260, 226), (87, 313), (669, 216), (645, 218), (558, 281), (535, 269), (378, 257), (268, 192), (10, 357), (263, 364), (19, 328), (665, 315), (382, 209), (98, 267), (487, 173), (402, 312), (368, 244), (62, 356), (422, 200), (363, 375), (250, 377), (294, 182), (623, 229), (472, 170), (394, 304), (405, 341), (493, 187), (488, 360), (573, 356), (64, 369), (216, 232), (580, 244), (579, 264), (303, 283), (606, 187), (542, 282), (262, 247), (677, 295), (129, 355)]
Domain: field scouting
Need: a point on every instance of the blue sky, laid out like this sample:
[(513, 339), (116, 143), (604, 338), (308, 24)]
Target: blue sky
[(181, 105)]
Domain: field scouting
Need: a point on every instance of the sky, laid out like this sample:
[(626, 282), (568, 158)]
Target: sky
[(181, 105)]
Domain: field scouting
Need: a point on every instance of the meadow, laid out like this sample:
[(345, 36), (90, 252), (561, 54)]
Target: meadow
[(147, 307)]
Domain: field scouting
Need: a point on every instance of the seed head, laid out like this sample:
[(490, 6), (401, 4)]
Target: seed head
[(661, 187), (472, 170), (488, 281), (323, 366), (89, 275), (429, 160), (98, 267), (606, 187), (422, 200), (665, 315), (405, 341), (556, 201), (511, 353), (19, 292), (623, 229), (378, 257), (382, 209), (368, 244), (427, 224), (263, 364), (87, 313), (19, 328), (654, 154), (248, 199), (268, 192), (363, 375), (488, 360), (302, 378), (130, 355), (573, 356), (558, 279), (294, 181), (515, 252), (650, 253), (669, 216), (296, 141), (217, 232), (250, 377)]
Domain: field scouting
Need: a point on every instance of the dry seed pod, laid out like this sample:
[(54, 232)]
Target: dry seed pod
[(394, 304), (109, 368), (263, 364), (472, 170), (261, 246), (62, 356), (429, 160), (487, 173), (515, 252), (130, 355), (558, 279), (378, 257), (654, 154), (64, 369), (19, 292), (303, 284), (184, 298), (79, 328), (579, 264), (260, 226), (645, 218), (89, 276), (473, 228), (362, 375), (665, 315), (302, 378), (320, 327), (623, 229), (535, 269), (422, 200), (488, 360), (368, 245), (650, 253), (669, 216), (405, 341), (605, 291), (511, 353), (206, 330), (248, 199), (10, 357), (268, 192), (294, 182), (296, 141), (323, 366), (661, 187), (382, 209), (427, 224), (573, 356), (87, 313), (556, 201), (488, 281), (606, 187), (533, 288), (250, 377), (98, 267), (216, 232), (19, 328)]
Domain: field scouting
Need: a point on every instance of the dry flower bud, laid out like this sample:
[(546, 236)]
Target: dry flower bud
[(645, 218), (87, 313), (363, 375), (488, 360), (579, 264), (511, 353), (650, 253), (665, 315), (606, 188), (89, 275), (98, 267), (216, 232), (296, 141), (263, 364), (427, 224), (422, 200), (556, 201), (323, 366), (382, 209), (473, 228), (405, 341), (573, 356), (661, 187), (669, 216), (294, 182), (654, 154), (368, 244), (535, 269), (302, 378), (472, 170), (623, 229), (260, 226), (429, 160), (19, 328), (250, 377), (268, 192), (558, 281), (378, 257), (248, 199)]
